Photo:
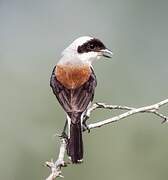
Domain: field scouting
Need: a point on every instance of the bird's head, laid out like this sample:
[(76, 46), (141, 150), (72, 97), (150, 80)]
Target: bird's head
[(87, 49)]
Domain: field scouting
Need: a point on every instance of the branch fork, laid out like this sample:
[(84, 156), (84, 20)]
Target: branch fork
[(56, 166)]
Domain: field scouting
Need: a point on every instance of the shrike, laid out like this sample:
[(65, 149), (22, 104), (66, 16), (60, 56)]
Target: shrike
[(73, 82)]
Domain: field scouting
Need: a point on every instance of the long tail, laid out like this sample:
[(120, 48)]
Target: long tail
[(75, 143)]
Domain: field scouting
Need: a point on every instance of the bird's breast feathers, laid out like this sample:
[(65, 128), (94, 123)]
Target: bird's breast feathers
[(72, 76)]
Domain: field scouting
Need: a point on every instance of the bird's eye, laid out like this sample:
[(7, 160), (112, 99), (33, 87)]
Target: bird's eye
[(92, 46)]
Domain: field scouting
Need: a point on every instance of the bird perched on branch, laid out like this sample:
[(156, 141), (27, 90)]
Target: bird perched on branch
[(73, 82)]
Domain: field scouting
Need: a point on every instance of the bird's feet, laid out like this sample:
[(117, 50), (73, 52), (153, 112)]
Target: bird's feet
[(64, 135), (85, 126)]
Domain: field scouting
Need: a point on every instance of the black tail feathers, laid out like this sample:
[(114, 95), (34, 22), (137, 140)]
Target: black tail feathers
[(75, 143)]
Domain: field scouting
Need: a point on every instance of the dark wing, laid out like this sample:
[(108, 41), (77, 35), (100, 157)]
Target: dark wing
[(76, 100)]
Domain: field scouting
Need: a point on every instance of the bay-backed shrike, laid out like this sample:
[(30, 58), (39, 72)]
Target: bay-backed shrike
[(73, 82)]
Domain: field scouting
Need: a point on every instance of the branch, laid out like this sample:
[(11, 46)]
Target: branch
[(146, 109), (55, 167)]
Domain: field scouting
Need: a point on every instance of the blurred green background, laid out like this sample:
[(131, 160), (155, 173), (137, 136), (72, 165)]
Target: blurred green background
[(32, 35)]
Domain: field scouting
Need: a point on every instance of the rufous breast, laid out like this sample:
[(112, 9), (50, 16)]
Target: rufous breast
[(72, 76)]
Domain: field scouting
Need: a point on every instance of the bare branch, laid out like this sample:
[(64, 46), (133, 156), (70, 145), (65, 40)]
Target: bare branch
[(55, 167), (148, 109), (118, 107)]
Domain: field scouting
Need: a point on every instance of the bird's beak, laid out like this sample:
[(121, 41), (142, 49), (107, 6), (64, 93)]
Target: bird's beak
[(106, 53)]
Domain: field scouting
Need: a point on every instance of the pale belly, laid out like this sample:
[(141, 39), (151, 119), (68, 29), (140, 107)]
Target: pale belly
[(71, 76)]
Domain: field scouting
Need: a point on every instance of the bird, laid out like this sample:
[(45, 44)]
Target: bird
[(73, 82)]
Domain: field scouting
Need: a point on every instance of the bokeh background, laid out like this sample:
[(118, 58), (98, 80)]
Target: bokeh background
[(32, 35)]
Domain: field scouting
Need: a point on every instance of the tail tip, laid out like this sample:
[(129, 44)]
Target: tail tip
[(75, 161)]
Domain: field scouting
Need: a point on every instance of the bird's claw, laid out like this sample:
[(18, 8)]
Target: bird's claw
[(85, 127), (63, 135)]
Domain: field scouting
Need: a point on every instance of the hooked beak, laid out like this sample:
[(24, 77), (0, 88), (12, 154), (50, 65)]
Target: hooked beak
[(106, 53)]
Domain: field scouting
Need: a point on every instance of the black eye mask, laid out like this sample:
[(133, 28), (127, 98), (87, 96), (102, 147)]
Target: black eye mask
[(94, 45)]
